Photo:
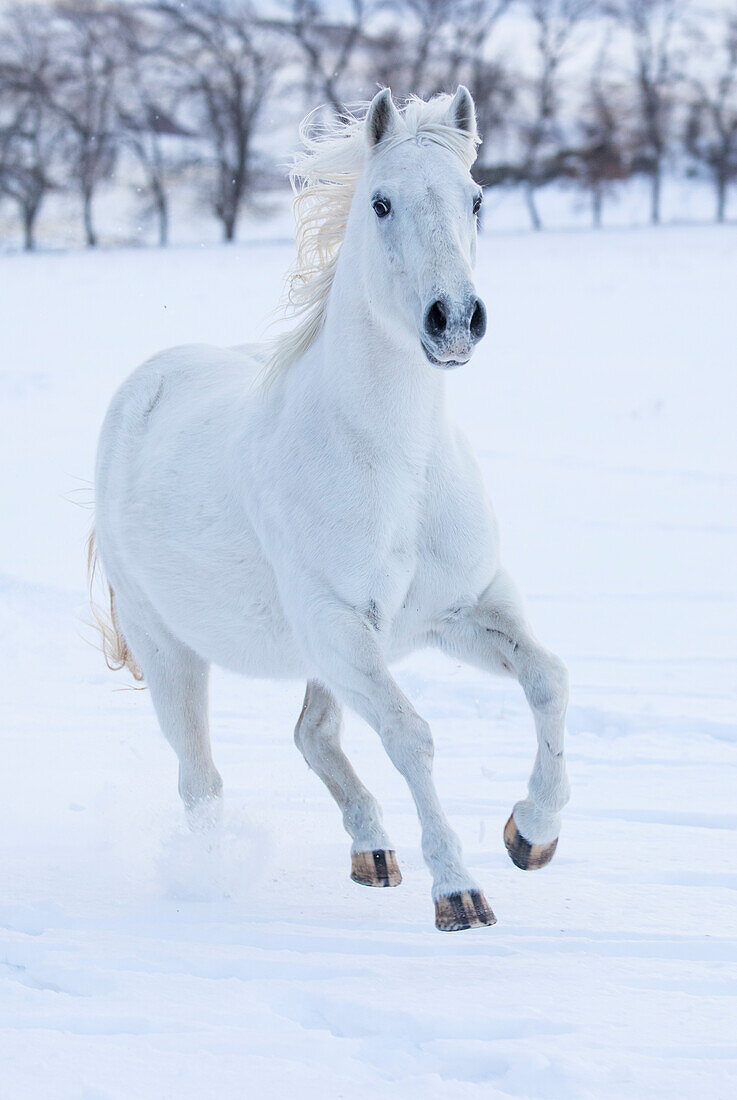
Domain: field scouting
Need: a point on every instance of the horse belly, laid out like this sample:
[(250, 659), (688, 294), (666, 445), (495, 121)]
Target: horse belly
[(234, 620)]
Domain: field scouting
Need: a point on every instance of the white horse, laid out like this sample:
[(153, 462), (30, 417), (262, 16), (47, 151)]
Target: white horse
[(311, 511)]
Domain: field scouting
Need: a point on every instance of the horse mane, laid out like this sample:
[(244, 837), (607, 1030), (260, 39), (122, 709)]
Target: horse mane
[(323, 177)]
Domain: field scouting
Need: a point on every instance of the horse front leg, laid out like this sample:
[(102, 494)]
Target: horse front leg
[(344, 649), (493, 634), (317, 736)]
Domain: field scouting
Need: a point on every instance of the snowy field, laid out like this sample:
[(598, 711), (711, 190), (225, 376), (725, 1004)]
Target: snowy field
[(133, 965)]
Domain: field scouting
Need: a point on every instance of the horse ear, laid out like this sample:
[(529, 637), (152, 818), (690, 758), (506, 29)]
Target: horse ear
[(381, 118), (462, 111)]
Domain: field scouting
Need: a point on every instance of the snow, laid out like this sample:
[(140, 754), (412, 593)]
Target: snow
[(139, 961)]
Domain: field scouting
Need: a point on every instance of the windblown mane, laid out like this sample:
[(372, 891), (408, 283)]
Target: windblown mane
[(323, 178)]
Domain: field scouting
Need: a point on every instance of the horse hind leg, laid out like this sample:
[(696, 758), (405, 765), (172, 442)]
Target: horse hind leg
[(179, 684), (317, 735)]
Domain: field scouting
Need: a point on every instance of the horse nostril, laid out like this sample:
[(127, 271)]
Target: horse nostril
[(436, 319), (478, 320)]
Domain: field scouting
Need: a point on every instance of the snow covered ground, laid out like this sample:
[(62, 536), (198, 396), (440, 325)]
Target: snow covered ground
[(135, 965)]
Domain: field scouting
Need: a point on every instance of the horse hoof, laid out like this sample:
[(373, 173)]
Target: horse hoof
[(377, 868), (459, 911), (526, 856)]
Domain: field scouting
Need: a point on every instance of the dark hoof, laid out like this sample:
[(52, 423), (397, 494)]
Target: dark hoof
[(526, 856), (375, 868), (459, 911)]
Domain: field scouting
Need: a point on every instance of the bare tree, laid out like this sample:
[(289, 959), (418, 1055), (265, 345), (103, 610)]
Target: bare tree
[(540, 133), (470, 61), (603, 157), (327, 45), (492, 85), (29, 133), (227, 65), (24, 175), (433, 45), (653, 25), (711, 130), (440, 42), (148, 105), (472, 24), (434, 19), (384, 52), (181, 87), (82, 94)]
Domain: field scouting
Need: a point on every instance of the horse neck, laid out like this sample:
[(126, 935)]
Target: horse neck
[(373, 371)]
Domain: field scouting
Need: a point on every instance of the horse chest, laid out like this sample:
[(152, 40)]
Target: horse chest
[(383, 542), (414, 573), (391, 573)]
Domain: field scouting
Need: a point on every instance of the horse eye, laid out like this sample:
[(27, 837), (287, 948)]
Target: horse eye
[(381, 207), (477, 203)]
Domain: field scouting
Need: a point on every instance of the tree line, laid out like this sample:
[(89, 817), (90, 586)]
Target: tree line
[(591, 92)]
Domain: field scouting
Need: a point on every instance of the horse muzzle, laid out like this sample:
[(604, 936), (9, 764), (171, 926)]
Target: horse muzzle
[(451, 330)]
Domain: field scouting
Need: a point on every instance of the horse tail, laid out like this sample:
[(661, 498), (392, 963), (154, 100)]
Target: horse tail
[(113, 645)]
